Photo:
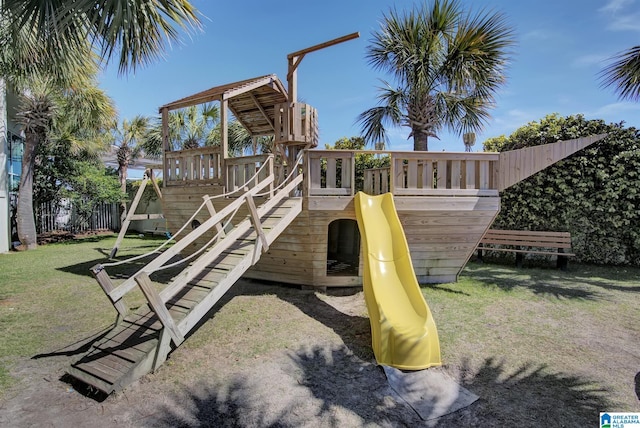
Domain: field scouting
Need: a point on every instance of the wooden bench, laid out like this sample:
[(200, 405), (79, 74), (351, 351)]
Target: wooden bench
[(528, 242)]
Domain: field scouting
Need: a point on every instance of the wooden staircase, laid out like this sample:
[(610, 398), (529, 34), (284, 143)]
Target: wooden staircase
[(141, 341)]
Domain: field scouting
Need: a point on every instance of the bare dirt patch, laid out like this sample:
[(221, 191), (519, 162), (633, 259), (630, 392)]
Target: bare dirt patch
[(277, 356), (319, 371)]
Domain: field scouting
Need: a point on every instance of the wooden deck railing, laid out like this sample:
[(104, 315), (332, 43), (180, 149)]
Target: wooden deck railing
[(240, 170), (297, 123), (442, 174), (193, 166), (332, 173)]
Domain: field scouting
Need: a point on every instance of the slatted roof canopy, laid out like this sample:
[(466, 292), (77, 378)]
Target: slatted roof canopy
[(251, 101)]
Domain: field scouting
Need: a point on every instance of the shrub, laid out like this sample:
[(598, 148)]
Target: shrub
[(594, 194)]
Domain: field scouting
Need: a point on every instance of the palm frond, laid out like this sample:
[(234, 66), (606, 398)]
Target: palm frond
[(623, 74), (140, 30)]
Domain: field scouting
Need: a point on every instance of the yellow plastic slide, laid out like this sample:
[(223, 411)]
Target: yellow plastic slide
[(404, 334)]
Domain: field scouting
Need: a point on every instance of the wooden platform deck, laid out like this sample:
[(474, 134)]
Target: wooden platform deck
[(139, 343)]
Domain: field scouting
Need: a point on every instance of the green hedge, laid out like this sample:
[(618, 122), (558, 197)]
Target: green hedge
[(594, 194)]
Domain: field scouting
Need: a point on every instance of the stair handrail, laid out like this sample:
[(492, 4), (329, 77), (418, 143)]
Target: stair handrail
[(118, 292), (298, 160), (193, 270), (206, 199)]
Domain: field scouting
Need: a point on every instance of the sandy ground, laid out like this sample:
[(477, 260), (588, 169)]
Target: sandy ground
[(317, 371)]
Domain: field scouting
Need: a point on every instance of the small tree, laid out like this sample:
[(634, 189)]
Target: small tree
[(91, 185)]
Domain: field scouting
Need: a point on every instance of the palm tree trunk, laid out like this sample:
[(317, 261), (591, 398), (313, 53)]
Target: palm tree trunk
[(123, 187), (26, 223), (420, 142)]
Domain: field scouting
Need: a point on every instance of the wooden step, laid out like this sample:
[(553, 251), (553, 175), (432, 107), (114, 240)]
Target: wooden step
[(132, 348)]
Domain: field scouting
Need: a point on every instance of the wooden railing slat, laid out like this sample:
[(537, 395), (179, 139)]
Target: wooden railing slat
[(472, 172)]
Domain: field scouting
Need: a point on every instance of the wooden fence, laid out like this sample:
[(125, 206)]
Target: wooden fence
[(64, 216)]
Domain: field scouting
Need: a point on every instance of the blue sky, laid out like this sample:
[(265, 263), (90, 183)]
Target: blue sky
[(561, 47)]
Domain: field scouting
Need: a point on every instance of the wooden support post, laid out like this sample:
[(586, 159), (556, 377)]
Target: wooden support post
[(130, 213), (224, 140), (164, 346), (212, 212), (261, 239), (155, 184), (157, 305), (166, 145), (271, 160), (103, 279)]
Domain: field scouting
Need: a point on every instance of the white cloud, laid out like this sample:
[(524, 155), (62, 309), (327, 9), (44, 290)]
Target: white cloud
[(614, 5), (589, 60), (508, 122), (613, 110), (540, 34), (629, 22), (621, 17)]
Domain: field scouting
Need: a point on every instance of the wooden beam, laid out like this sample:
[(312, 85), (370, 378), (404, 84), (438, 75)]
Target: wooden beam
[(324, 45), (224, 134), (105, 282), (263, 111), (295, 58), (257, 225), (157, 305), (212, 212), (129, 217), (292, 78), (239, 119), (155, 184), (165, 130)]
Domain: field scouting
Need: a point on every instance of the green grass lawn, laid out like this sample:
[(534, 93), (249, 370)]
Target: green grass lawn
[(568, 336), (530, 339), (48, 298)]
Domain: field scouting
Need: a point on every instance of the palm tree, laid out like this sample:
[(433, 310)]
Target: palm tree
[(189, 128), (447, 63), (56, 39), (624, 74), (128, 140), (196, 125), (36, 112), (74, 115), (140, 29)]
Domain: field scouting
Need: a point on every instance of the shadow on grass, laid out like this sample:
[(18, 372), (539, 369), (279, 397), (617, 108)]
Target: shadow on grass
[(124, 270), (539, 277), (332, 387), (443, 287), (354, 330), (68, 238), (543, 282)]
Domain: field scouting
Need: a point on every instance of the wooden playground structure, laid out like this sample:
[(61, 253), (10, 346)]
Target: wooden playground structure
[(289, 216)]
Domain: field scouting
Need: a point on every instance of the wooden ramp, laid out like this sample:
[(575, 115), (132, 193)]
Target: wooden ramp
[(141, 341)]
